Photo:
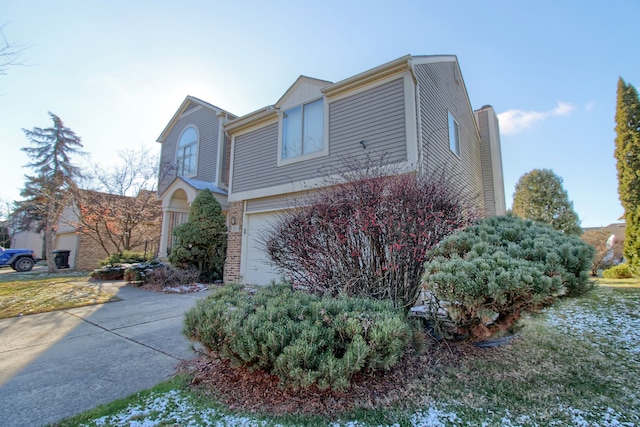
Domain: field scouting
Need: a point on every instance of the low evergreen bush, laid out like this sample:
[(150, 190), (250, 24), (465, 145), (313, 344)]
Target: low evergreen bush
[(485, 276), (126, 257), (108, 272), (620, 271), (139, 272), (304, 339)]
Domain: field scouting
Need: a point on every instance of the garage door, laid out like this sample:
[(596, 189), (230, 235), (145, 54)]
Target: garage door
[(257, 268)]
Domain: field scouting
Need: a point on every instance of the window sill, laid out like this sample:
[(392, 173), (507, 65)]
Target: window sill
[(303, 158)]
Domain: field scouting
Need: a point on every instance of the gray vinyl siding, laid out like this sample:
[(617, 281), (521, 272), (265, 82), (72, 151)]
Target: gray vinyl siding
[(254, 159), (226, 156), (207, 123), (487, 167), (277, 203), (493, 180), (442, 90), (376, 116)]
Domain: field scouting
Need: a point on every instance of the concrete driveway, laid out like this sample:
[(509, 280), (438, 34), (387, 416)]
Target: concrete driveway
[(58, 364)]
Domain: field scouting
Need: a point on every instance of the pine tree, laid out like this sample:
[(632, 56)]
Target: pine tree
[(627, 154), (539, 196), (47, 192), (202, 241)]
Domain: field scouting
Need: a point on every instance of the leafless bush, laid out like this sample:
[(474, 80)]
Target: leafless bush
[(368, 236), (167, 277)]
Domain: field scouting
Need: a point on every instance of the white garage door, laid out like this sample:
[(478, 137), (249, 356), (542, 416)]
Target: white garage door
[(257, 269)]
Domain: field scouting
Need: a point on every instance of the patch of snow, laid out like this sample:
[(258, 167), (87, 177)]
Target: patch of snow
[(177, 408), (613, 322), (434, 417)]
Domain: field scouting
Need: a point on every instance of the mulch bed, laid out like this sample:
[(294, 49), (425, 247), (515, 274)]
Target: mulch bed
[(259, 392)]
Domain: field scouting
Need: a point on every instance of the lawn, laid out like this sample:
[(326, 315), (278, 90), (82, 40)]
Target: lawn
[(578, 363), (31, 293)]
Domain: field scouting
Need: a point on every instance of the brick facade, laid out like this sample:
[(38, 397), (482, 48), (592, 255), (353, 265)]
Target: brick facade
[(234, 243), (90, 253)]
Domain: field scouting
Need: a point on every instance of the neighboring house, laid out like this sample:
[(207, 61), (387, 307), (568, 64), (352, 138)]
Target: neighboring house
[(413, 112), (615, 241), (80, 235)]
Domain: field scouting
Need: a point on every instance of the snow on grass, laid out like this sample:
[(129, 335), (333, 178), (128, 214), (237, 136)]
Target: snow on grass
[(177, 408), (611, 324)]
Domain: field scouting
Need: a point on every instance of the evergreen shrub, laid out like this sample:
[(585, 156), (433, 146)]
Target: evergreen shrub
[(201, 242), (126, 257), (139, 272), (620, 271), (302, 338), (108, 272), (485, 276)]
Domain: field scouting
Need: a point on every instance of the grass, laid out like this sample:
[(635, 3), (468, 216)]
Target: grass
[(31, 293), (578, 363)]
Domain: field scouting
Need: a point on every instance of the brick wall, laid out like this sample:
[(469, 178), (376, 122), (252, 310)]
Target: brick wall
[(234, 243), (90, 253)]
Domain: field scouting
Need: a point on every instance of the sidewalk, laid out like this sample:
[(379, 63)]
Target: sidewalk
[(58, 364)]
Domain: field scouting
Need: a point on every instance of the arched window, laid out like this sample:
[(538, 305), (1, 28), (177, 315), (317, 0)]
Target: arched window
[(187, 156)]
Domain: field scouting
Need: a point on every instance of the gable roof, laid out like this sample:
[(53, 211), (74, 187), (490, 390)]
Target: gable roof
[(329, 89), (300, 81), (188, 103)]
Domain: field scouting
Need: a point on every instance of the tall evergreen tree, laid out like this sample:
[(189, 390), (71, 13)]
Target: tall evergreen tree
[(48, 191), (201, 242), (627, 154), (540, 196)]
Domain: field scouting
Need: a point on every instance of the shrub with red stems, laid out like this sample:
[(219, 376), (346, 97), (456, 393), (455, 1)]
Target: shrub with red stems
[(368, 237)]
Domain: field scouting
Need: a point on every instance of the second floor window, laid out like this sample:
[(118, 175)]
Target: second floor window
[(303, 130), (187, 156)]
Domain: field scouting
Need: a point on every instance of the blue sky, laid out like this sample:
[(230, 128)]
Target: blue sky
[(116, 71)]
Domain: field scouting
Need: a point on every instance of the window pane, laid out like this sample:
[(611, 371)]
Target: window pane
[(189, 136), (313, 127), (187, 155), (292, 133), (180, 163), (453, 135), (189, 160)]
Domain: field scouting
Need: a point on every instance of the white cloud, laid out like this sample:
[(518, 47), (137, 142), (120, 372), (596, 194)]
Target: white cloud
[(515, 121)]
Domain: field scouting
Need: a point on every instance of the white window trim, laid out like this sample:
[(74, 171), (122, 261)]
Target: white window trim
[(457, 152), (325, 136), (197, 149)]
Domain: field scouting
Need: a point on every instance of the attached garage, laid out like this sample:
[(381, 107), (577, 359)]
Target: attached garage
[(256, 267)]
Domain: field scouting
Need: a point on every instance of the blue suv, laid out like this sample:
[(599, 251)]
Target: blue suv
[(18, 259)]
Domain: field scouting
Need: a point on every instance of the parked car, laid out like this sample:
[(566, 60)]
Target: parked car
[(18, 259)]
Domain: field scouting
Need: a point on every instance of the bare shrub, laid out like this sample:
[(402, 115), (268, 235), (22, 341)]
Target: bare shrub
[(368, 236), (167, 277)]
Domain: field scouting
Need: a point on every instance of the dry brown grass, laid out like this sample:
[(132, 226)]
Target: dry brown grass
[(22, 297)]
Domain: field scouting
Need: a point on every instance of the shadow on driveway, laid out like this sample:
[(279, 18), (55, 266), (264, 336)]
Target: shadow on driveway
[(54, 365)]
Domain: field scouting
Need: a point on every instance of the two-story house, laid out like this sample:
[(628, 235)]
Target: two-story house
[(413, 112)]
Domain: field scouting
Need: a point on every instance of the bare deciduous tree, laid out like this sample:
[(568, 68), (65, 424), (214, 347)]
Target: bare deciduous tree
[(9, 53), (607, 250), (119, 208)]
